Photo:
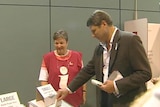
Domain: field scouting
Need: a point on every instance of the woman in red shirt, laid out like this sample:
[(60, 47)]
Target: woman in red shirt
[(60, 66)]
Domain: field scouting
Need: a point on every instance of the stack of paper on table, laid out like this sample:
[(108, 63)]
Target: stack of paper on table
[(40, 103)]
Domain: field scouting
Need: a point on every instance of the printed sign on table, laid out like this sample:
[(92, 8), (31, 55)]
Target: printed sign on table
[(9, 100), (47, 93)]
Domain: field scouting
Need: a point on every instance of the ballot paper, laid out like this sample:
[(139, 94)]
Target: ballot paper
[(40, 103), (115, 75), (55, 103)]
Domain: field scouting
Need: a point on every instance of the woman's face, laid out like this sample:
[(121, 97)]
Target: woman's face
[(61, 45)]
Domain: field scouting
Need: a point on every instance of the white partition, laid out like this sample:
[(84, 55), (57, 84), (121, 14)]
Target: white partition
[(154, 48), (140, 27), (150, 36)]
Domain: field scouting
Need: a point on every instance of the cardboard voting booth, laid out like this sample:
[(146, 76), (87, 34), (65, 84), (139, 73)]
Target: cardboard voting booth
[(47, 94), (150, 36), (10, 100), (40, 103), (46, 97)]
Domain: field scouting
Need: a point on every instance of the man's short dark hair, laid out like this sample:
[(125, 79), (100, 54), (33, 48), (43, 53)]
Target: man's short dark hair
[(97, 17)]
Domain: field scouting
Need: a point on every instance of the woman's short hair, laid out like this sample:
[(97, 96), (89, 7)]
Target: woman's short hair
[(60, 34)]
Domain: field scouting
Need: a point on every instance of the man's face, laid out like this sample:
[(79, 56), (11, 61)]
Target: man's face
[(99, 32), (61, 45)]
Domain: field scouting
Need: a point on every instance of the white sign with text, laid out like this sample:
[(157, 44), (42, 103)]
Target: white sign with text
[(48, 94), (9, 100)]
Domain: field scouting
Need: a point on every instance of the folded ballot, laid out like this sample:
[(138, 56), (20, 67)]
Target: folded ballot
[(115, 75)]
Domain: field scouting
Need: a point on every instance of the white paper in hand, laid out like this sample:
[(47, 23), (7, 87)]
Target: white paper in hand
[(115, 75), (55, 103), (96, 82)]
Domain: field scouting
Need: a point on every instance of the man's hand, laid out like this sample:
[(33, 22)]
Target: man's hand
[(108, 86), (61, 94)]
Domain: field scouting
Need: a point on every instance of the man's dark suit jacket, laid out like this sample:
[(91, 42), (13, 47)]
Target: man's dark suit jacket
[(129, 58)]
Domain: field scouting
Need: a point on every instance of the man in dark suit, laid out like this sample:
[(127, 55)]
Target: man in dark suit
[(119, 52)]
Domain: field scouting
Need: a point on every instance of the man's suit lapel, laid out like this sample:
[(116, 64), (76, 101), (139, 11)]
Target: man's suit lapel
[(114, 50)]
